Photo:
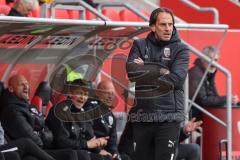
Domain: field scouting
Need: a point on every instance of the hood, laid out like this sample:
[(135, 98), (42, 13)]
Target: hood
[(175, 38), (10, 98)]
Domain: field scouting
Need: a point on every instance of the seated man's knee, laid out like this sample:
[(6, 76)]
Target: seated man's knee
[(195, 149)]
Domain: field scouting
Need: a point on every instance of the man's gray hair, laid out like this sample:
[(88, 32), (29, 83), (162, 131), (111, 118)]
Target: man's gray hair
[(33, 4), (209, 49)]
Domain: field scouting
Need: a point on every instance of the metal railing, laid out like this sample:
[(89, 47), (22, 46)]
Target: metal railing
[(135, 24), (204, 9), (228, 124), (64, 3), (125, 5)]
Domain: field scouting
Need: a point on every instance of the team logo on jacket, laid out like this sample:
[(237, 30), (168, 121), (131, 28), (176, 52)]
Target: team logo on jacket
[(167, 54), (110, 120)]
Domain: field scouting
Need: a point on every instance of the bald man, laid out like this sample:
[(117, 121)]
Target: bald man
[(105, 93), (22, 120), (19, 86), (105, 125)]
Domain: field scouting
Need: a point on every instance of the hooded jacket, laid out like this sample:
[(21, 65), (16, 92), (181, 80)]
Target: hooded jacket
[(172, 55), (70, 134), (20, 119)]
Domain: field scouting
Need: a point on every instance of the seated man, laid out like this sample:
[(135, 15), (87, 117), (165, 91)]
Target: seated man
[(70, 128), (207, 95), (21, 120), (22, 148), (189, 151), (22, 8), (185, 151), (105, 125)]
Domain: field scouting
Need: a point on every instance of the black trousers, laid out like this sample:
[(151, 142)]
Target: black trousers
[(10, 156), (26, 149), (155, 141), (188, 152)]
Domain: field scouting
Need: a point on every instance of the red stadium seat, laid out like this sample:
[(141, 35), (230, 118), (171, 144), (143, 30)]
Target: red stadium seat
[(73, 14), (2, 2), (61, 98), (60, 14), (4, 9), (41, 98), (126, 15), (36, 12), (90, 15), (111, 13), (37, 102), (48, 107)]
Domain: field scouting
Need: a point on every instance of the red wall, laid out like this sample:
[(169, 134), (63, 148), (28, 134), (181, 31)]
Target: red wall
[(228, 11), (187, 13)]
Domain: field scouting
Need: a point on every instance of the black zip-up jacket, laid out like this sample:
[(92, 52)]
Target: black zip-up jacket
[(20, 119), (173, 55), (106, 126), (70, 134)]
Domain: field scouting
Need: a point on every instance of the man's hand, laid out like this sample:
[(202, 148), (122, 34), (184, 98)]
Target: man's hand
[(138, 61), (164, 71), (103, 141), (97, 142), (192, 126), (105, 153)]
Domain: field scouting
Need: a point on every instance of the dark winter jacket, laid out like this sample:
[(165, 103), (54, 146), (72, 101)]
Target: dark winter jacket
[(72, 133), (172, 55), (105, 126), (207, 95), (20, 119), (14, 12)]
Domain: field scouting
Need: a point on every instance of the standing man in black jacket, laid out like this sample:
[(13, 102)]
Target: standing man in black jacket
[(156, 119), (207, 95)]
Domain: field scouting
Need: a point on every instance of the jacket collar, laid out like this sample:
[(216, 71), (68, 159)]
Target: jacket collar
[(175, 38)]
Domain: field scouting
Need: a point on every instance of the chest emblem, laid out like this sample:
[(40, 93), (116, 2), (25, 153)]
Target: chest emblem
[(110, 120), (166, 54)]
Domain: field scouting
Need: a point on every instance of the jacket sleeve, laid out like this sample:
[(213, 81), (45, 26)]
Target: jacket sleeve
[(112, 142), (208, 100), (17, 126), (61, 134), (183, 135), (140, 72), (179, 69)]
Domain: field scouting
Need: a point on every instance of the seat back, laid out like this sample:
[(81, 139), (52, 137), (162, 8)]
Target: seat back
[(111, 13), (126, 15), (4, 9), (41, 98)]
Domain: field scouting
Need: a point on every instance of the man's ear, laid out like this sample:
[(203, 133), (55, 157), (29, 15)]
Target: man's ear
[(153, 28)]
